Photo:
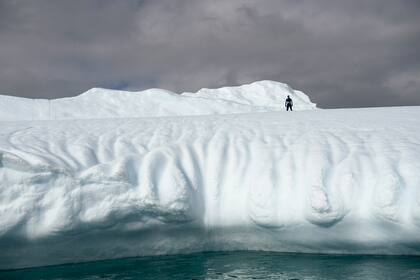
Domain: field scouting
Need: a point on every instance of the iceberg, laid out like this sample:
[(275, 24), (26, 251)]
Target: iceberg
[(341, 181)]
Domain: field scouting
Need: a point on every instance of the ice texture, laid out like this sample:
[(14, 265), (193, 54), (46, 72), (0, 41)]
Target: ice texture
[(314, 181)]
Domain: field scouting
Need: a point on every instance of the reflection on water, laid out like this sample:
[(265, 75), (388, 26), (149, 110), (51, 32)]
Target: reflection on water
[(233, 265)]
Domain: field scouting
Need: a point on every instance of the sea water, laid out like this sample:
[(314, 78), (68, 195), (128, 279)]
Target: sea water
[(232, 265)]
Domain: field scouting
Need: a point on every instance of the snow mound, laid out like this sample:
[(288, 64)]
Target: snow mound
[(329, 181), (97, 103)]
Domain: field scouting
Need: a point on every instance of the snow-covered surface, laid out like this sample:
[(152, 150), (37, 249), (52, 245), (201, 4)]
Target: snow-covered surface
[(330, 181), (262, 96)]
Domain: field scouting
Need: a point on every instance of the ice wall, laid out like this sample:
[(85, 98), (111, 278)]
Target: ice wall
[(330, 181)]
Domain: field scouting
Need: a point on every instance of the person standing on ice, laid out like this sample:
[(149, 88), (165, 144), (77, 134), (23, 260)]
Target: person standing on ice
[(288, 103)]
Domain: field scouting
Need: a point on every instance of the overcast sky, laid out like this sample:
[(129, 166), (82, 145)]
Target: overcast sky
[(341, 53)]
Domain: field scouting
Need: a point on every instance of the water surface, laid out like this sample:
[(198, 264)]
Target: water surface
[(232, 265)]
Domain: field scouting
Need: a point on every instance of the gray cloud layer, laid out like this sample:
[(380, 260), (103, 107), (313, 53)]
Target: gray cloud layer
[(342, 53)]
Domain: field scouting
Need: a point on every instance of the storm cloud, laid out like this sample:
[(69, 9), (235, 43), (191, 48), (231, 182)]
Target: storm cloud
[(342, 53)]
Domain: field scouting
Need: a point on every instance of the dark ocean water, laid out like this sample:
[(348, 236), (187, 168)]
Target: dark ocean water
[(232, 265)]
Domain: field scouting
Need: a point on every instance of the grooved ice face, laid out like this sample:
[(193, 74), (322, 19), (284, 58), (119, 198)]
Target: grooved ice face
[(331, 181)]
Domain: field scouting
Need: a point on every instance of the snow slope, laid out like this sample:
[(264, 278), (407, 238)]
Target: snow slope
[(99, 103), (330, 181)]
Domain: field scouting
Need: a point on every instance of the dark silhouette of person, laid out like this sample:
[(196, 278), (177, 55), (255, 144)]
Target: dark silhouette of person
[(288, 103)]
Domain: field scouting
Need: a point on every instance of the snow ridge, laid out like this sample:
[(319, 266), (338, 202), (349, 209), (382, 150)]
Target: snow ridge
[(97, 103)]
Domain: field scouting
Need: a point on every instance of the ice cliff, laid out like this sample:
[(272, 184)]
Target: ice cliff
[(319, 181)]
